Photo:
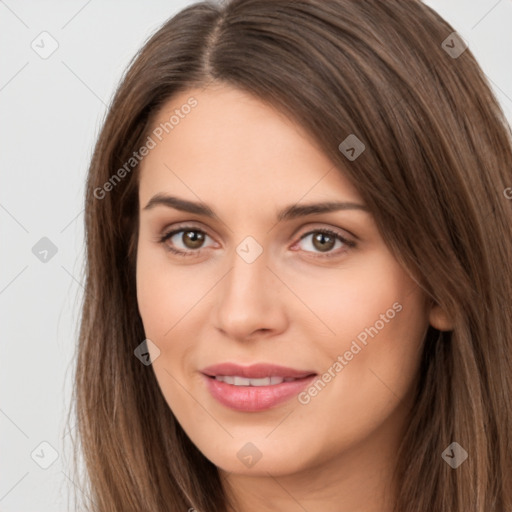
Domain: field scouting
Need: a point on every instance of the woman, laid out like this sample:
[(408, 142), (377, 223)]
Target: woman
[(298, 289)]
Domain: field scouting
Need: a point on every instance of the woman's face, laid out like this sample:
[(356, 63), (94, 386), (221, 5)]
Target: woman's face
[(252, 286)]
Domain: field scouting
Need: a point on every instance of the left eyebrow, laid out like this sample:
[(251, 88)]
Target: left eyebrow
[(288, 213), (294, 211)]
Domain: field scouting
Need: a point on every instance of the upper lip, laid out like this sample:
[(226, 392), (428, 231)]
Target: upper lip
[(255, 371)]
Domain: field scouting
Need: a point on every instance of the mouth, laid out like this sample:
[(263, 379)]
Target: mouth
[(237, 380), (255, 372), (254, 388)]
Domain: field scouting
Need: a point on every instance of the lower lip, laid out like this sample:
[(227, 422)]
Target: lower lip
[(255, 398)]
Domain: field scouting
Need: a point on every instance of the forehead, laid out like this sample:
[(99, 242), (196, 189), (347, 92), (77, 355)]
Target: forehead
[(225, 143)]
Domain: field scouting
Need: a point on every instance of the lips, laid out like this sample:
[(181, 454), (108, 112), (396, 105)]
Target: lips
[(254, 388), (255, 371)]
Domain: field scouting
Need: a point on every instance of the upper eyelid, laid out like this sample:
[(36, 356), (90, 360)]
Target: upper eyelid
[(190, 227)]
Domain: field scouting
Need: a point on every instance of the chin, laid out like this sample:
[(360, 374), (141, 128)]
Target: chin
[(276, 463)]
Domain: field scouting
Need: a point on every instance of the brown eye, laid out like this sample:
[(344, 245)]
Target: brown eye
[(193, 239), (185, 241), (324, 240)]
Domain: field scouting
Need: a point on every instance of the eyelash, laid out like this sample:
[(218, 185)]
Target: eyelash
[(350, 244)]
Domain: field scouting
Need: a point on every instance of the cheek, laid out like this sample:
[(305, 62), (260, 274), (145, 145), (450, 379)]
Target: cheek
[(164, 294), (152, 294), (352, 298), (158, 295), (370, 364), (374, 317), (163, 301)]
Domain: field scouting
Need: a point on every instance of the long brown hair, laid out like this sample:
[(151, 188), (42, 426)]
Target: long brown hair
[(434, 173)]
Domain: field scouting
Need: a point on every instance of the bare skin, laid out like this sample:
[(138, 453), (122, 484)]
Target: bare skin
[(296, 305)]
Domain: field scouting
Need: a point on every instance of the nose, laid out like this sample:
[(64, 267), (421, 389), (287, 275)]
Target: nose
[(250, 300)]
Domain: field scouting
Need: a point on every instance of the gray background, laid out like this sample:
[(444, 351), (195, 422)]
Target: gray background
[(51, 110)]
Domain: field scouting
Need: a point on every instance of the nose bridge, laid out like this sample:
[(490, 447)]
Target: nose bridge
[(247, 298), (249, 273)]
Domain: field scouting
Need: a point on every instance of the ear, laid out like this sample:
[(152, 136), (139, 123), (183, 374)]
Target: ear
[(439, 319)]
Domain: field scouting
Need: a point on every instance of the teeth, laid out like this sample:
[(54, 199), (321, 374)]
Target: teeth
[(242, 381)]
